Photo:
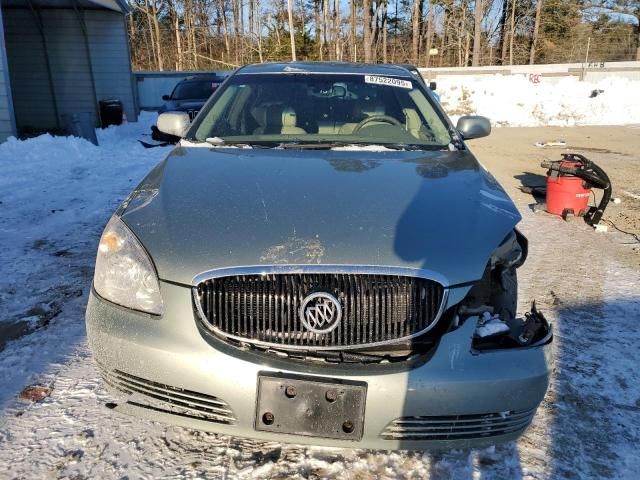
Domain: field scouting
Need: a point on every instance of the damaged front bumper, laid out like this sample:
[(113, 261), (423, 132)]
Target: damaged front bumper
[(493, 332), (455, 397)]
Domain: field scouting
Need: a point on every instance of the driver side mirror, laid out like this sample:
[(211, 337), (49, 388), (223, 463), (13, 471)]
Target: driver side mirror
[(174, 123), (432, 86), (166, 97), (473, 126)]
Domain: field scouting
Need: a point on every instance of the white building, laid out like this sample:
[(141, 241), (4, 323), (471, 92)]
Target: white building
[(59, 57)]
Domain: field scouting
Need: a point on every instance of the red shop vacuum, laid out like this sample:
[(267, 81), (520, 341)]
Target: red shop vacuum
[(569, 186)]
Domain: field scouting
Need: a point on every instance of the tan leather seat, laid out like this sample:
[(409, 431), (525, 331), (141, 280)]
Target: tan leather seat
[(276, 119), (412, 122), (289, 122), (260, 116)]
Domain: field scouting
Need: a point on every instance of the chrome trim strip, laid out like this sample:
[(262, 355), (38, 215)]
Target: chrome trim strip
[(338, 269), (321, 268)]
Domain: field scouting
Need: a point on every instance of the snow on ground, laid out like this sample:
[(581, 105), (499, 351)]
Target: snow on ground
[(516, 101), (55, 196)]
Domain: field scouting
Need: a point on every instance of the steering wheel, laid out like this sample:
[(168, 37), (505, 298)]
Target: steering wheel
[(376, 118)]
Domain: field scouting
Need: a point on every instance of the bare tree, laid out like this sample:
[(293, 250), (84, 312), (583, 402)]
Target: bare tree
[(317, 7), (151, 9), (384, 30), (536, 30), (292, 35), (619, 7), (443, 40), (462, 33), (477, 34), (367, 33), (352, 34), (204, 34), (429, 33), (336, 30), (227, 30), (504, 36), (512, 31), (416, 19)]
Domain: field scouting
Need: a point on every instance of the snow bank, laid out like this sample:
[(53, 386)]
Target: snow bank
[(516, 101), (56, 194)]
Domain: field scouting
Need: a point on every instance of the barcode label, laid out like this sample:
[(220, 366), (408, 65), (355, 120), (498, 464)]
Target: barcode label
[(391, 81)]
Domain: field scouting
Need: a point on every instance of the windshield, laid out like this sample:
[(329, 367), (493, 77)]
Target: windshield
[(194, 90), (322, 108)]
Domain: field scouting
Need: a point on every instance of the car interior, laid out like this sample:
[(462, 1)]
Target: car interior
[(325, 108)]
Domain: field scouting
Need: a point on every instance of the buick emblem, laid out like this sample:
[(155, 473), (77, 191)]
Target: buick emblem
[(320, 312)]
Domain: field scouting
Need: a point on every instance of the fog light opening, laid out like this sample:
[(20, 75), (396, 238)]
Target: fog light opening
[(495, 332)]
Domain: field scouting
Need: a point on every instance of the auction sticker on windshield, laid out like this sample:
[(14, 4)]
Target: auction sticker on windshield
[(392, 82)]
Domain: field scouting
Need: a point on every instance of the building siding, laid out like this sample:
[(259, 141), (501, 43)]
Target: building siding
[(109, 47), (7, 127), (70, 65)]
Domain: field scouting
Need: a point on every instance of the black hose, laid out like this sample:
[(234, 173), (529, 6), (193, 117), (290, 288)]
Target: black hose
[(595, 177)]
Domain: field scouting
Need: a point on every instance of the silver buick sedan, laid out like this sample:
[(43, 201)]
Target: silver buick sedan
[(320, 260)]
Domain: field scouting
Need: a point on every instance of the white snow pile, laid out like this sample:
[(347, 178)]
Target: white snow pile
[(56, 194), (515, 101)]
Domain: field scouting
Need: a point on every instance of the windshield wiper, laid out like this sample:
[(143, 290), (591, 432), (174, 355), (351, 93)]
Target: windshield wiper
[(220, 142), (408, 146), (313, 145), (334, 144)]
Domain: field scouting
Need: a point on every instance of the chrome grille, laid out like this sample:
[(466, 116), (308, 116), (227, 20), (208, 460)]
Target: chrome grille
[(165, 398), (459, 427), (263, 308)]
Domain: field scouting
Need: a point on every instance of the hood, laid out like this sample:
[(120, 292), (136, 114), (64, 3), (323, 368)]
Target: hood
[(206, 208)]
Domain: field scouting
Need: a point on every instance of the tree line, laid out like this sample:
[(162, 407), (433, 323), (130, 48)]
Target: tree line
[(220, 34)]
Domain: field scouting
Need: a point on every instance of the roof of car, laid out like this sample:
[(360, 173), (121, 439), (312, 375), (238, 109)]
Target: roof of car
[(325, 67)]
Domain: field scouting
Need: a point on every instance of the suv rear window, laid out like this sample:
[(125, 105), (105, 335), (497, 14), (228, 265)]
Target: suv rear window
[(194, 90)]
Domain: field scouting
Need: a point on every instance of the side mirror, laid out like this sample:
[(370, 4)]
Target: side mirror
[(174, 123), (473, 126), (166, 97), (432, 86)]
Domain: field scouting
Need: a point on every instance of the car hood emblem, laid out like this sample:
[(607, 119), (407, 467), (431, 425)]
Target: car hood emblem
[(320, 312)]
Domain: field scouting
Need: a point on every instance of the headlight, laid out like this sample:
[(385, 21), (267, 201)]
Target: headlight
[(124, 272)]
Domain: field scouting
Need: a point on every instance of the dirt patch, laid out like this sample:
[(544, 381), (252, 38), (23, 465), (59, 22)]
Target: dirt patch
[(596, 150), (511, 155), (35, 393)]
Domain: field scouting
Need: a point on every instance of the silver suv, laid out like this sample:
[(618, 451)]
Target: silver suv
[(320, 260)]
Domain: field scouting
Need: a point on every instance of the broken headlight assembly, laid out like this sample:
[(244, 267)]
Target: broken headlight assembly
[(124, 272), (494, 301)]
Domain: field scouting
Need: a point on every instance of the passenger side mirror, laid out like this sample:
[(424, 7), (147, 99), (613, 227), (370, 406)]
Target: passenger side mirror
[(166, 97), (473, 126), (174, 123), (432, 86)]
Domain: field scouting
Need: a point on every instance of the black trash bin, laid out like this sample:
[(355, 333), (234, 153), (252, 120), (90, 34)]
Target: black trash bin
[(110, 112)]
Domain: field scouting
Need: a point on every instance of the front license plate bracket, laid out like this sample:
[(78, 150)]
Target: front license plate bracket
[(311, 406)]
